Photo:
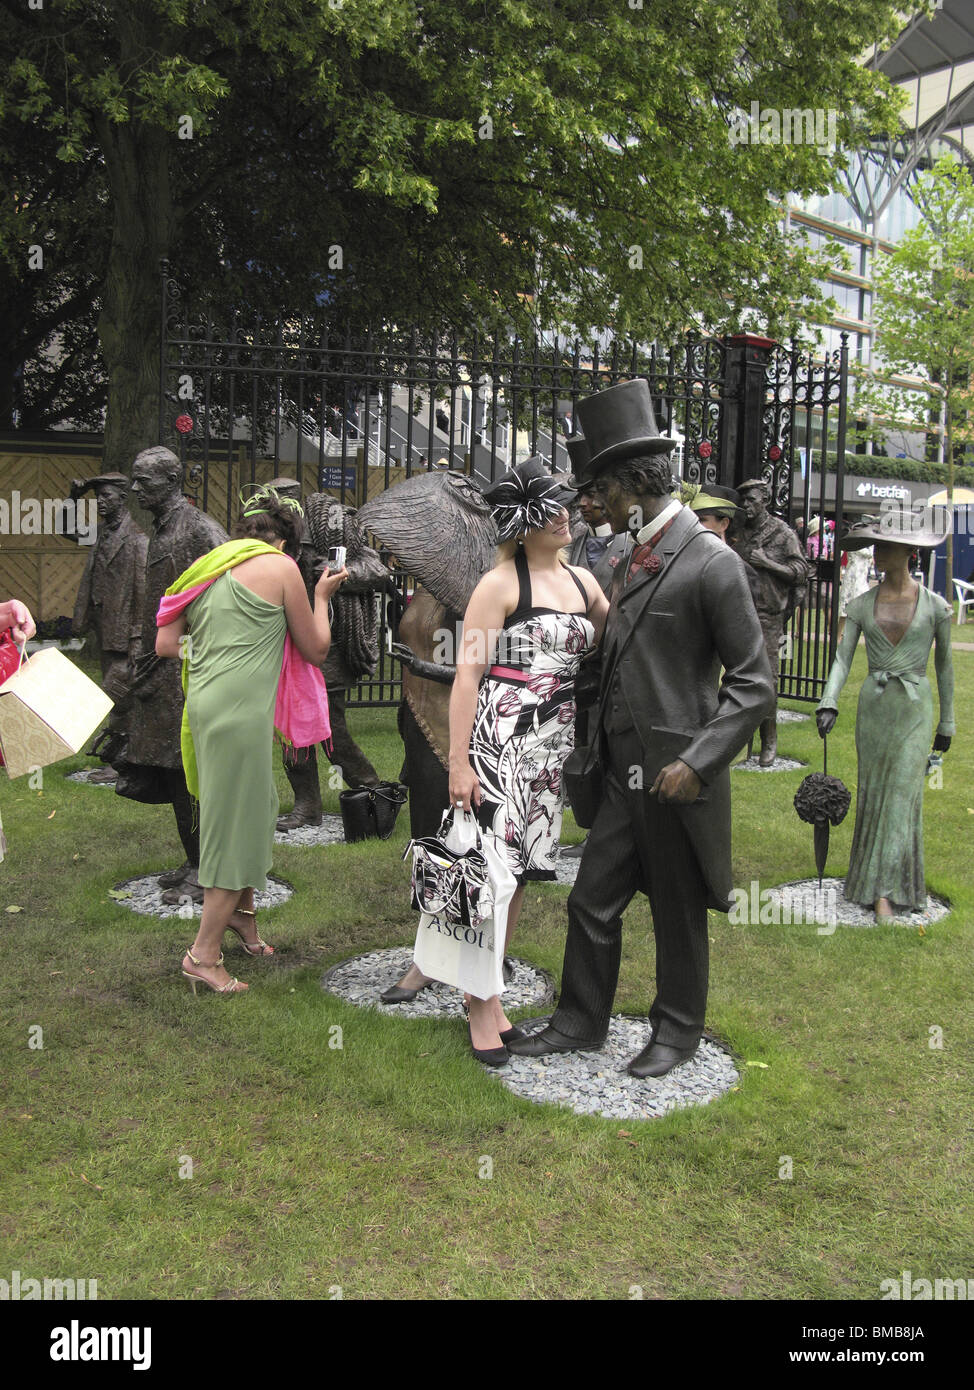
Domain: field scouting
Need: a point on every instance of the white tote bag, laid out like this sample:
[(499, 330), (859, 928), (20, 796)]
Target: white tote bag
[(461, 942)]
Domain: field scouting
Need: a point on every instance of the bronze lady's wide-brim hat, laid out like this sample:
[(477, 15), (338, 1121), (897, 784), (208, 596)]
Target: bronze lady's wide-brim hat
[(900, 527), (620, 423)]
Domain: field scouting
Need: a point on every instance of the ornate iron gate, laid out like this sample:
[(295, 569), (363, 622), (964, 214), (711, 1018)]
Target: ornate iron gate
[(354, 415)]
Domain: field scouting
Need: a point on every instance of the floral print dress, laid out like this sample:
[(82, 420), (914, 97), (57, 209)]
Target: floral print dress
[(524, 728)]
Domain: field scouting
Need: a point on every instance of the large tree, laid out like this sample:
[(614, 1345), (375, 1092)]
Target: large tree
[(576, 165)]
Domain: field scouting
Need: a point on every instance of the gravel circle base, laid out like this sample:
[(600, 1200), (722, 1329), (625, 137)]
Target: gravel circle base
[(144, 896), (597, 1083), (779, 765), (331, 831), (792, 716), (85, 776), (566, 870), (362, 979), (806, 903)]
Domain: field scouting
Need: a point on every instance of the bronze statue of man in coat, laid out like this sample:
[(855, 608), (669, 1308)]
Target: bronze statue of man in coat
[(109, 602)]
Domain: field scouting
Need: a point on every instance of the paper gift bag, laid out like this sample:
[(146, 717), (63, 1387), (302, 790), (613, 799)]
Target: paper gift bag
[(454, 943), (48, 709)]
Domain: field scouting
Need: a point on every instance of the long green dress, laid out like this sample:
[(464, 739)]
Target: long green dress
[(893, 738), (234, 667)]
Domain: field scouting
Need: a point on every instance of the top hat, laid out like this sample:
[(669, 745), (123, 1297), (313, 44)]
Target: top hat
[(619, 423), (580, 455), (887, 530)]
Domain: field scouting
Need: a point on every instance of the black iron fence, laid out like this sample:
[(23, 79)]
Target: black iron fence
[(353, 415)]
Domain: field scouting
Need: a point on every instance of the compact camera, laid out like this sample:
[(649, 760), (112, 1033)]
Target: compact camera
[(336, 558)]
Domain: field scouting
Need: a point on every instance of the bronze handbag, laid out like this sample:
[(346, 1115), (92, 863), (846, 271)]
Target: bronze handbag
[(370, 813), (582, 778)]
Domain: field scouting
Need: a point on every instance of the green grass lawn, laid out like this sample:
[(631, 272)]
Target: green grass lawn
[(316, 1166)]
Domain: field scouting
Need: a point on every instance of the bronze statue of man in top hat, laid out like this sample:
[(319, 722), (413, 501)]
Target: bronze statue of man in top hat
[(668, 726)]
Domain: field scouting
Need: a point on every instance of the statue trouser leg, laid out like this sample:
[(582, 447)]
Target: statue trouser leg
[(345, 754), (301, 768), (635, 844), (424, 775), (185, 887), (769, 726), (769, 740), (182, 805)]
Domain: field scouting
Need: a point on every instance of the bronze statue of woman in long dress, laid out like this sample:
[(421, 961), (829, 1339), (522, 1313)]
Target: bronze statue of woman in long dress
[(901, 621)]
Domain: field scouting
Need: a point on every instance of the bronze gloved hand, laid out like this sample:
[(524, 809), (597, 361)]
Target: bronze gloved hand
[(825, 719), (941, 743)]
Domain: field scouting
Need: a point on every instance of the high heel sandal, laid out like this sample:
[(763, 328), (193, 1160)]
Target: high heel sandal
[(231, 987), (253, 948)]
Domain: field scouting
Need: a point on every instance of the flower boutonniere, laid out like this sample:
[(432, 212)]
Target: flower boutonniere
[(651, 563)]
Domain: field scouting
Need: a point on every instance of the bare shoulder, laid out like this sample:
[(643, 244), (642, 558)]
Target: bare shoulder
[(498, 582)]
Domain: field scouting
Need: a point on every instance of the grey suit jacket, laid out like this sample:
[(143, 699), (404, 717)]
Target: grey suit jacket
[(609, 561), (680, 627)]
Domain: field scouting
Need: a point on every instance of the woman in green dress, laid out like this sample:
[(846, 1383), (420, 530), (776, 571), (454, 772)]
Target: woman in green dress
[(232, 638), (901, 620)]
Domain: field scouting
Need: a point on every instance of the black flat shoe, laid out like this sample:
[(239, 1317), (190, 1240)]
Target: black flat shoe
[(492, 1056), (656, 1059), (396, 995), (545, 1043), (513, 1034)]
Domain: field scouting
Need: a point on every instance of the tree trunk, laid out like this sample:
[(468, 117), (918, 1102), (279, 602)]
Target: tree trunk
[(137, 162)]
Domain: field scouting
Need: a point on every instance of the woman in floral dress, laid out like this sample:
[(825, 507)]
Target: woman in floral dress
[(529, 622)]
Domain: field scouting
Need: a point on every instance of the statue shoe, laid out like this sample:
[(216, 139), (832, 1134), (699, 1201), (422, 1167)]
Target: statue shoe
[(573, 851), (548, 1042), (294, 820), (172, 878), (656, 1059), (769, 742), (102, 776), (189, 889)]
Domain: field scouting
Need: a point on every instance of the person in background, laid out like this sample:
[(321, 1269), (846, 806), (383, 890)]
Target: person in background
[(856, 565), (15, 618), (716, 507), (17, 625)]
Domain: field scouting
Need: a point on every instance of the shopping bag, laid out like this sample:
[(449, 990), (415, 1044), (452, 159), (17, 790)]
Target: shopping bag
[(461, 940), (48, 710)]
